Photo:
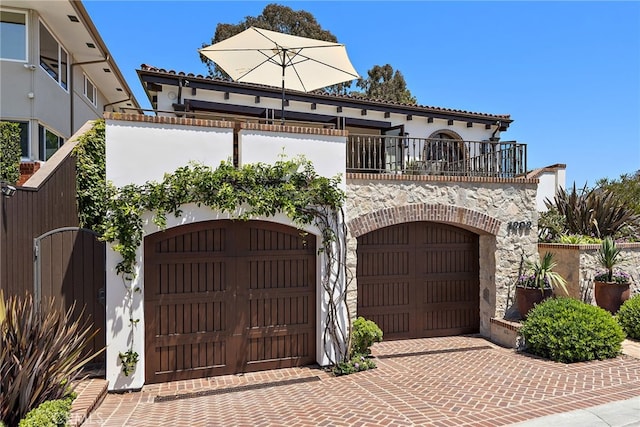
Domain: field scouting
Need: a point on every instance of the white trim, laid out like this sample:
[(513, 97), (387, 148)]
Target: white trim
[(26, 34), (60, 48), (43, 140), (86, 79)]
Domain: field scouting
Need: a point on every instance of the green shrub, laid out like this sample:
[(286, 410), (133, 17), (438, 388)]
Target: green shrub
[(40, 350), (10, 152), (364, 333), (629, 317), (357, 363), (52, 413), (567, 330), (577, 239)]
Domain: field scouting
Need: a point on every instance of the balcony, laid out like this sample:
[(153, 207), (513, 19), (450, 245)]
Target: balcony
[(422, 156)]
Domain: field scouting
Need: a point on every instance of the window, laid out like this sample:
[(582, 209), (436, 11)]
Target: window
[(90, 91), (53, 58), (13, 35), (49, 143)]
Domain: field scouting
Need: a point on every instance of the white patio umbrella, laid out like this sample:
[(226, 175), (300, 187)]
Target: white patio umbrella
[(262, 56)]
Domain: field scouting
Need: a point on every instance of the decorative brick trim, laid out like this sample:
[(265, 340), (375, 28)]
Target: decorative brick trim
[(132, 117), (584, 247), (293, 129), (423, 212), (437, 178), (503, 323)]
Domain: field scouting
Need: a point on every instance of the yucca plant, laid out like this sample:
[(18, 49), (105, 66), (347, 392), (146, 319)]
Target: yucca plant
[(544, 276), (608, 256), (40, 349)]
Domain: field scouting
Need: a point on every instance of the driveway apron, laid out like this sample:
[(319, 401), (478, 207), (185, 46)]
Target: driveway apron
[(449, 381)]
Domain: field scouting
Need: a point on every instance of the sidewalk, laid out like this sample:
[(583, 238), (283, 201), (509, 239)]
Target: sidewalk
[(624, 413)]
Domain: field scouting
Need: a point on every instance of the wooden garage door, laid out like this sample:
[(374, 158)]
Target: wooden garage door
[(225, 297), (419, 279)]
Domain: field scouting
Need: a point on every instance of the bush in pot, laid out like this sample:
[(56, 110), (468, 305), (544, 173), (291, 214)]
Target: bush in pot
[(611, 287), (538, 284)]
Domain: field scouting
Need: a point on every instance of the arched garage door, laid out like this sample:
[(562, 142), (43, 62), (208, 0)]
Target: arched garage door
[(419, 279), (225, 297)]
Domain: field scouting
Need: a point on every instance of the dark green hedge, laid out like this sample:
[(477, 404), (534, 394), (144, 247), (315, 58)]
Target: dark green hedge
[(567, 330), (629, 317), (52, 413)]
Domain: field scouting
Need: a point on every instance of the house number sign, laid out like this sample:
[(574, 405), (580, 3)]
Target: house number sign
[(516, 226)]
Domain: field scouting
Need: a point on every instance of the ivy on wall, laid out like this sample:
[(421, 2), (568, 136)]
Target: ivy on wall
[(290, 186), (91, 188), (10, 152)]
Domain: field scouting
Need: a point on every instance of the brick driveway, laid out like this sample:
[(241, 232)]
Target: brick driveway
[(449, 381)]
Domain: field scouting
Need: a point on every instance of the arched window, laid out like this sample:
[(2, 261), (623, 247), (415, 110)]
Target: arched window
[(444, 151), (444, 145)]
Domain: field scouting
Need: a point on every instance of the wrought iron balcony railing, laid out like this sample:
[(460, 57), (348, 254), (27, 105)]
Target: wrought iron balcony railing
[(423, 156)]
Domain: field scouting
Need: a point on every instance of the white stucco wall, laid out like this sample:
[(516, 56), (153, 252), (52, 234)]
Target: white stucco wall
[(550, 182), (416, 127), (327, 153), (138, 151)]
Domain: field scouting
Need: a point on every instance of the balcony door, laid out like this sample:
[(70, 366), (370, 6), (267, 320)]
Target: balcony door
[(393, 144)]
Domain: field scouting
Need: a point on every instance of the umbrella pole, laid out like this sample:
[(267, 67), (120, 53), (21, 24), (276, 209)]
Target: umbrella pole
[(282, 112)]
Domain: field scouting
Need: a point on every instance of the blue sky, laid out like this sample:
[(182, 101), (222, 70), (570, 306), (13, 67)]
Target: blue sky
[(567, 72)]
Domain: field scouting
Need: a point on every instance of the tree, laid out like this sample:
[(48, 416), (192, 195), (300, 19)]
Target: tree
[(274, 17), (385, 84), (626, 188)]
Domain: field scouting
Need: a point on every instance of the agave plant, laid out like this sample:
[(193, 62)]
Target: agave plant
[(40, 354)]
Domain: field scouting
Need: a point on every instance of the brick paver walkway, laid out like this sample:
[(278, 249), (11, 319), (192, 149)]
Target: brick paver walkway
[(449, 381)]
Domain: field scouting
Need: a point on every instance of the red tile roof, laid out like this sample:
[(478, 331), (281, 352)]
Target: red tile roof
[(505, 117)]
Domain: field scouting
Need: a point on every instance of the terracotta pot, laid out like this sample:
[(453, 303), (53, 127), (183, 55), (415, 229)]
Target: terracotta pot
[(611, 295), (526, 298)]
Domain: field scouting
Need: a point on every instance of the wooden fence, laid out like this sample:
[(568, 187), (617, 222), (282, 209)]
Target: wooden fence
[(39, 258)]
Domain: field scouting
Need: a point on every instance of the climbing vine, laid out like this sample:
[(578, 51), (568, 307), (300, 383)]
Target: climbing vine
[(91, 188), (288, 186)]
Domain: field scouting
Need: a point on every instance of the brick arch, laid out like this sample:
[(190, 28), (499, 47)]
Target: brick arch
[(452, 134), (453, 215)]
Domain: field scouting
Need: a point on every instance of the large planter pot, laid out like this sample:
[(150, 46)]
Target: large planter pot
[(611, 295), (526, 298)]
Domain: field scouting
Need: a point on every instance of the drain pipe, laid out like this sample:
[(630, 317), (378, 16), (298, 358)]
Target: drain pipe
[(493, 135), (97, 61)]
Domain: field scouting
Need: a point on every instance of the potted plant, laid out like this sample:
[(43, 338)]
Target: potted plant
[(611, 288), (538, 284)]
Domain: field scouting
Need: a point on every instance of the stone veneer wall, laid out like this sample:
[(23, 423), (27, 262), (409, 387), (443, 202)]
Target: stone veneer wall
[(578, 264), (482, 205)]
